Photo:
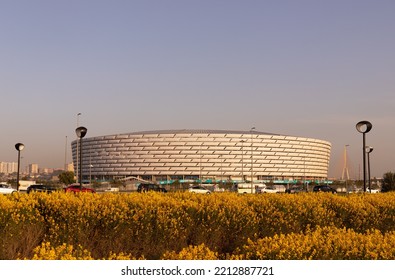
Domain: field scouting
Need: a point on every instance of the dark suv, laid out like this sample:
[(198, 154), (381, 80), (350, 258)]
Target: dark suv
[(147, 187), (324, 188), (40, 188), (296, 189)]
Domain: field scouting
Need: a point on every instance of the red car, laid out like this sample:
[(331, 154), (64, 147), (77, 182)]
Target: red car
[(76, 188)]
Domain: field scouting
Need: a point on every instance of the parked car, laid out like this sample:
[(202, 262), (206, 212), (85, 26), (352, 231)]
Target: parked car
[(296, 189), (40, 188), (148, 187), (74, 188), (5, 189), (268, 189), (199, 189), (112, 189), (245, 188), (324, 188), (373, 190)]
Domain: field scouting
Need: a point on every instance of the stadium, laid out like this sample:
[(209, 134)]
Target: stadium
[(202, 155)]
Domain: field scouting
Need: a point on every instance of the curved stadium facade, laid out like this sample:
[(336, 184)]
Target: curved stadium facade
[(203, 154)]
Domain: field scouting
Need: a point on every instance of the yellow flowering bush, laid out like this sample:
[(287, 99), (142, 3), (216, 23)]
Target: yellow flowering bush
[(200, 252), (323, 243), (63, 252), (176, 225)]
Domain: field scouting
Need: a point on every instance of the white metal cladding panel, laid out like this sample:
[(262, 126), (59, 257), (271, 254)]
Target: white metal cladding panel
[(181, 160), (221, 139), (146, 156), (109, 137), (233, 148), (258, 169), (232, 160), (126, 160), (276, 161), (173, 164), (161, 143), (228, 156), (131, 144), (282, 142), (136, 149), (211, 168), (101, 161), (173, 152), (161, 168), (186, 138), (224, 152), (192, 168), (113, 141), (176, 143), (167, 161), (204, 139), (151, 148), (160, 155), (273, 146), (151, 160), (122, 148), (182, 148), (231, 169), (166, 148), (128, 165), (177, 156), (210, 156), (189, 152)]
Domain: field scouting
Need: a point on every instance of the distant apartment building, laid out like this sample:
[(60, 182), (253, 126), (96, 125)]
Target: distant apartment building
[(70, 167), (33, 168), (8, 167), (46, 170)]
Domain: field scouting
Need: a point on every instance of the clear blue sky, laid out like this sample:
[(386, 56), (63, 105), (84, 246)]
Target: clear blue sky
[(304, 68)]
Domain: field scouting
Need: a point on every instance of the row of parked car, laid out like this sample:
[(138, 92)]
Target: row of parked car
[(265, 189), (320, 188), (5, 189), (147, 187)]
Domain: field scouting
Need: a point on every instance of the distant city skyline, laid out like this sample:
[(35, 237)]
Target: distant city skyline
[(302, 68)]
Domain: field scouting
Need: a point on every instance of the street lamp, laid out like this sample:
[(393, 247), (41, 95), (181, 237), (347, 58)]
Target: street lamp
[(252, 160), (19, 147), (76, 169), (81, 132), (364, 127), (368, 151)]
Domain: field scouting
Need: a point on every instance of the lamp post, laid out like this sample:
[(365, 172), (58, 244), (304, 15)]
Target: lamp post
[(368, 151), (19, 147), (252, 161), (364, 127), (76, 169), (81, 132)]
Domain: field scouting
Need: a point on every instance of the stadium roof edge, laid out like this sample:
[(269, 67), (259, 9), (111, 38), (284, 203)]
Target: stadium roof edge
[(208, 131)]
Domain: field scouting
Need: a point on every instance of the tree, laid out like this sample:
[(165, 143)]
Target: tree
[(388, 182), (67, 177)]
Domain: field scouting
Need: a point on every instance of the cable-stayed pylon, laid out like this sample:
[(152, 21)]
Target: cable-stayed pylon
[(345, 166)]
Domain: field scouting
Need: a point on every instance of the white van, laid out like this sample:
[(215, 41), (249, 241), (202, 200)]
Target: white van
[(246, 187)]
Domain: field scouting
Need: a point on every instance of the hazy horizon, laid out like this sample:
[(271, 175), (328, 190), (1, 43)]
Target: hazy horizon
[(303, 68)]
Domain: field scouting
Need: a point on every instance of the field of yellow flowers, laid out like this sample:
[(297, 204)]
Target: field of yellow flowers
[(189, 226)]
